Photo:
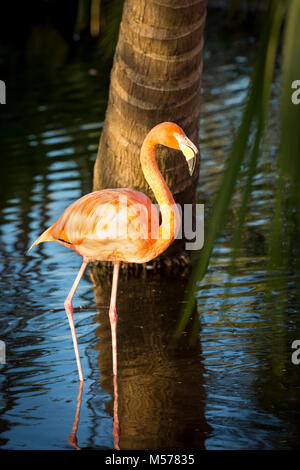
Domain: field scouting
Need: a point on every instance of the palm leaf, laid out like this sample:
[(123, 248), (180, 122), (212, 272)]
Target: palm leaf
[(254, 115)]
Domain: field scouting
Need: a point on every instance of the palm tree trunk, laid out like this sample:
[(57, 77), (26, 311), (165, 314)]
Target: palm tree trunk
[(156, 77)]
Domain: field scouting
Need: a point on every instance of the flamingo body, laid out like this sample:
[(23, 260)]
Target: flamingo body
[(93, 226), (122, 224)]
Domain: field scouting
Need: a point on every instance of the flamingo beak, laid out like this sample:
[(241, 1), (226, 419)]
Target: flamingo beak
[(189, 150)]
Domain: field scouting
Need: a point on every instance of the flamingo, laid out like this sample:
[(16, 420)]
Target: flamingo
[(122, 224)]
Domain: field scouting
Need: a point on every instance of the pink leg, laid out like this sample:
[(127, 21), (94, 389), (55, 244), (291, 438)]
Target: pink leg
[(69, 312), (113, 317), (116, 425)]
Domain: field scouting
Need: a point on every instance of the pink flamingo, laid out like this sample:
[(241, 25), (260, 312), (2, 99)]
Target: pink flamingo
[(122, 224)]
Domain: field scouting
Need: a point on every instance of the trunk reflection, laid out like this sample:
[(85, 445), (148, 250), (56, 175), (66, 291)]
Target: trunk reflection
[(160, 400)]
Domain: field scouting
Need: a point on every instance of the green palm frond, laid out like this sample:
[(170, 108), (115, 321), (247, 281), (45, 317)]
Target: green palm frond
[(254, 120)]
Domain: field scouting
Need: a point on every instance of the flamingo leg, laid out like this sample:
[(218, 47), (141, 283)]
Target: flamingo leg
[(113, 317), (69, 312), (116, 425)]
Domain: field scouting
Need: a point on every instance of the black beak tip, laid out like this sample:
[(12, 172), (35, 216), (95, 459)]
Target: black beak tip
[(191, 165)]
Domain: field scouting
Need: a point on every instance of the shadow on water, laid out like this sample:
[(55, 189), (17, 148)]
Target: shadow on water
[(160, 383)]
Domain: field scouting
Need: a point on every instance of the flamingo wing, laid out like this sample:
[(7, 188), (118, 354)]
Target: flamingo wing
[(111, 224)]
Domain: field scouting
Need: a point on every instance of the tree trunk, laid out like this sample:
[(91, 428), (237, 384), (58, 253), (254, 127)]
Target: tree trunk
[(156, 77)]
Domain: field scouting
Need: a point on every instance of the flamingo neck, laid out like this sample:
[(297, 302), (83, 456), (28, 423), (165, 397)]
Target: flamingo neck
[(169, 211)]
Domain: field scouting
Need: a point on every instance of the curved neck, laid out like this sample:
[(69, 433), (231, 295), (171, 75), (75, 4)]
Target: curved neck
[(169, 211)]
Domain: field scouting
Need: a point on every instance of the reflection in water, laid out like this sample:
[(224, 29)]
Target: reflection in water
[(116, 426), (73, 435), (161, 395), (116, 423)]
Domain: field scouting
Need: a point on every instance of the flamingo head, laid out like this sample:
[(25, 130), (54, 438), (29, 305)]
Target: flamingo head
[(171, 135)]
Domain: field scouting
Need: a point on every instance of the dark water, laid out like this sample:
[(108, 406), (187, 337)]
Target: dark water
[(233, 385)]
